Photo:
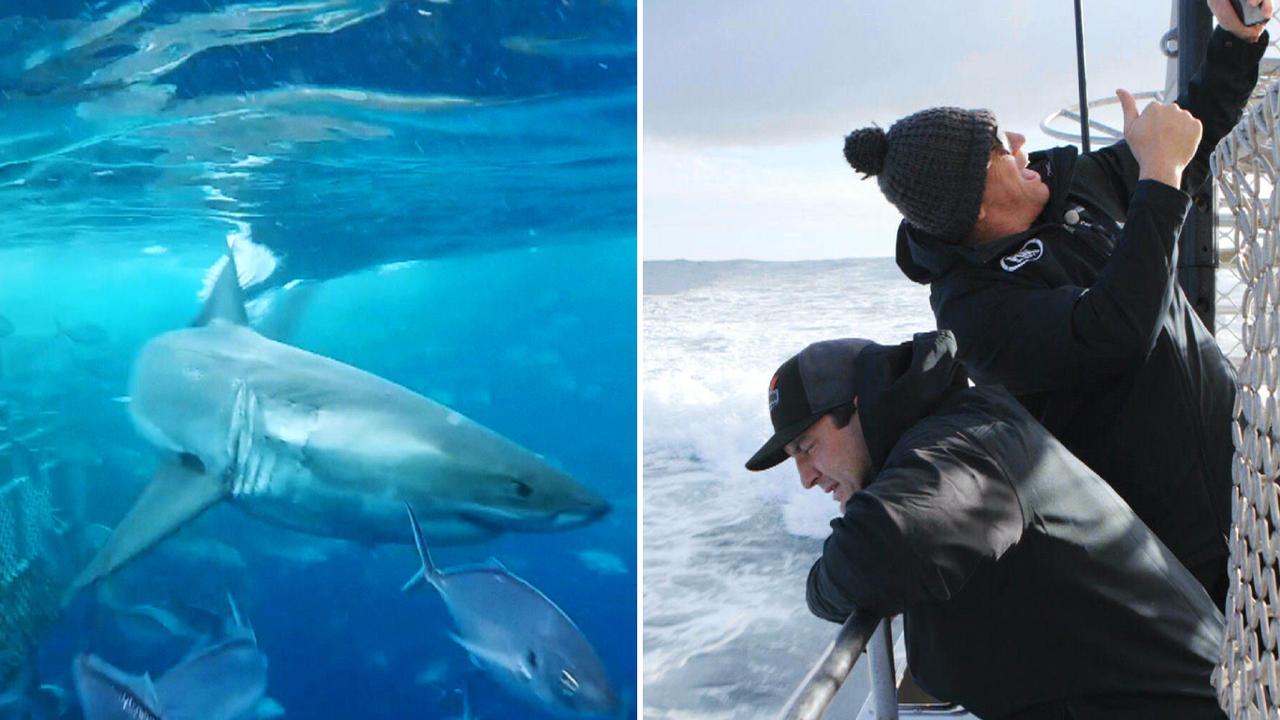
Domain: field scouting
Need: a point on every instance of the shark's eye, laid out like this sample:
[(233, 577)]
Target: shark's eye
[(568, 682), (532, 659), (521, 488)]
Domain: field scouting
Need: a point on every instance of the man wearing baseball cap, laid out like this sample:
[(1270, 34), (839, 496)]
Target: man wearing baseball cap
[(1029, 588), (1057, 272)]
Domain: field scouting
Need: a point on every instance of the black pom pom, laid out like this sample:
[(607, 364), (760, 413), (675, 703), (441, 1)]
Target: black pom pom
[(866, 149)]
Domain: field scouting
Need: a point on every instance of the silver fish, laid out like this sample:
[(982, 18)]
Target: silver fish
[(85, 333), (223, 681), (521, 638)]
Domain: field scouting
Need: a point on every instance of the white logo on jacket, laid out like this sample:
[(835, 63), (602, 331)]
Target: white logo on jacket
[(1030, 252)]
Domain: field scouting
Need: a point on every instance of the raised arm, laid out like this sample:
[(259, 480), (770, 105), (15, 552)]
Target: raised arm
[(1216, 96), (1029, 338)]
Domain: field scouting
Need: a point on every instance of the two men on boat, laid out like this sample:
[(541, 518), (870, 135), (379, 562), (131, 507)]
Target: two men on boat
[(1056, 536)]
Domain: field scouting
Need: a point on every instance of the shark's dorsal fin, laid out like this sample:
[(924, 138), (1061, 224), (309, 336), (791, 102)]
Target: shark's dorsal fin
[(226, 300)]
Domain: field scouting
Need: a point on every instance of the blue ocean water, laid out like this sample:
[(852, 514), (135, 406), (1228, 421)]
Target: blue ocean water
[(440, 193)]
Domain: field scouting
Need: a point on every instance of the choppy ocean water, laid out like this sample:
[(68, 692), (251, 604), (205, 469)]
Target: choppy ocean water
[(726, 552), (442, 194)]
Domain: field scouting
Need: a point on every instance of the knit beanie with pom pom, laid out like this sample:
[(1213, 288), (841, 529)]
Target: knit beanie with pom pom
[(932, 165)]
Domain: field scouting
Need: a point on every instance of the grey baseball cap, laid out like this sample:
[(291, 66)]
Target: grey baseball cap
[(807, 386)]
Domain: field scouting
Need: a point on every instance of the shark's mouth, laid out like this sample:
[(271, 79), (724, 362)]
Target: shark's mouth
[(500, 519)]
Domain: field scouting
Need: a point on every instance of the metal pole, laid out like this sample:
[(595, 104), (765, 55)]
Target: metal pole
[(819, 687), (1084, 96), (884, 679), (1198, 245)]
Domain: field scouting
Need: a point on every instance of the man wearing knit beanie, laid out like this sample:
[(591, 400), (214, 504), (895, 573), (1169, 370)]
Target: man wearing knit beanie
[(1057, 274)]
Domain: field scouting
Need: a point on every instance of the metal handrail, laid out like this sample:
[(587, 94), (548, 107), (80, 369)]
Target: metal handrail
[(884, 681), (815, 693)]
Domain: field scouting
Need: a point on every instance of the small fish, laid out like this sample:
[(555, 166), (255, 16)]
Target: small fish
[(267, 709), (224, 681), (204, 552), (23, 697), (434, 673), (85, 333), (602, 562), (578, 46), (34, 434), (146, 625), (533, 648)]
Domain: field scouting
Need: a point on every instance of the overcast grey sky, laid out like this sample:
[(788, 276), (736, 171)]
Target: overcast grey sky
[(746, 104)]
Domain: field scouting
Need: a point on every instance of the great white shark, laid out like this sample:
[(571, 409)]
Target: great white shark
[(309, 443)]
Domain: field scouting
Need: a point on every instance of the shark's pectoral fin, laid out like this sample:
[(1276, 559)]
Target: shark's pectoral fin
[(176, 495)]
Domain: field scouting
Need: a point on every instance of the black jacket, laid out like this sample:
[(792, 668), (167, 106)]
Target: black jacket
[(1081, 317), (1022, 577)]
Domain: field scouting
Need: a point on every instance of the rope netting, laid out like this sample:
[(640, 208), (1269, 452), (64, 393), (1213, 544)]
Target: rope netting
[(29, 590), (1245, 166)]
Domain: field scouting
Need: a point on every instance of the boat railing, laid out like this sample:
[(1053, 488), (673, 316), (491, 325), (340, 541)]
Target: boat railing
[(862, 631), (891, 696)]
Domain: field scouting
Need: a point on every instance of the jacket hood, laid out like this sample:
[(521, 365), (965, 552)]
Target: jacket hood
[(898, 385), (924, 258)]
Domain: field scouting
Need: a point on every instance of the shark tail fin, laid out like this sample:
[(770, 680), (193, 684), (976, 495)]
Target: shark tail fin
[(226, 299), (428, 571), (176, 495)]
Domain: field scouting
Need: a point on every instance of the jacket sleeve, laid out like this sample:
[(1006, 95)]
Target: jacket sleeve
[(1216, 95), (916, 533), (1030, 338)]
